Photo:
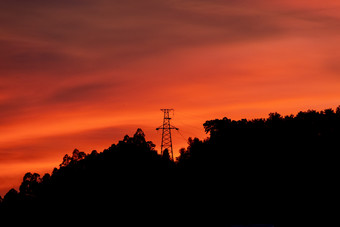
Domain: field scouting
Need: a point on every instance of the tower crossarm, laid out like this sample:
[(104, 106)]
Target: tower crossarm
[(171, 127)]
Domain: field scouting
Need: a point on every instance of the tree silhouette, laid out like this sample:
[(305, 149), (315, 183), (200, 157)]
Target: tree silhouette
[(66, 160), (30, 183)]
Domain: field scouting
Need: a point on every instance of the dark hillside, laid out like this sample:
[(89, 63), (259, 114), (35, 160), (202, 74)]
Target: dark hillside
[(124, 178), (286, 166), (260, 170)]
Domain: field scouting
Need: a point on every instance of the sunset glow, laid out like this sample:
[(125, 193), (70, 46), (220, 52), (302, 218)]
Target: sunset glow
[(82, 74)]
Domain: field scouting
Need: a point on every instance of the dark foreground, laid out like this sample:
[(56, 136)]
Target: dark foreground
[(279, 170)]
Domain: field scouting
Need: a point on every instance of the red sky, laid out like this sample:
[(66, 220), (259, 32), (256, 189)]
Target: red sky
[(82, 74)]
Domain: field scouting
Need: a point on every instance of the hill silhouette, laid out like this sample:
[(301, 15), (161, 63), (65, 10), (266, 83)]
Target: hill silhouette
[(253, 171)]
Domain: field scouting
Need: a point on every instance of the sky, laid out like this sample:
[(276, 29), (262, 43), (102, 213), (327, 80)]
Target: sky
[(82, 74)]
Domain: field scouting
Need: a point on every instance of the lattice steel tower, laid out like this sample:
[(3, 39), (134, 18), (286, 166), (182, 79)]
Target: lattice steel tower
[(166, 133)]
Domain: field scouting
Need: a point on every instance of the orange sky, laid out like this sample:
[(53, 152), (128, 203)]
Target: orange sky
[(82, 74)]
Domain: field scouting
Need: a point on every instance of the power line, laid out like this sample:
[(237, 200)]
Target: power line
[(179, 132)]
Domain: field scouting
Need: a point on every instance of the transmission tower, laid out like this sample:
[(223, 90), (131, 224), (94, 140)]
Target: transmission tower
[(166, 132)]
